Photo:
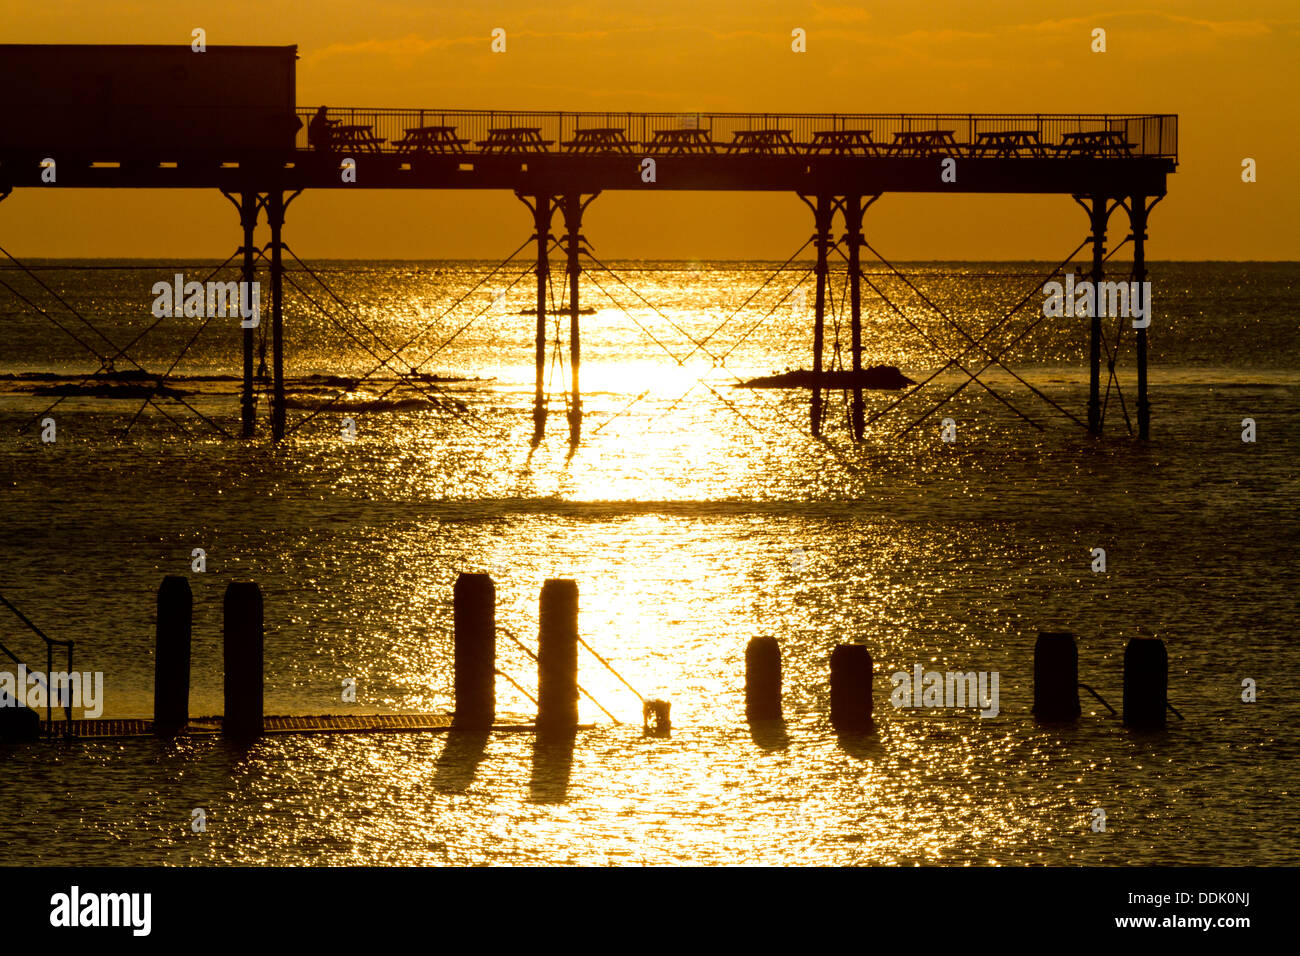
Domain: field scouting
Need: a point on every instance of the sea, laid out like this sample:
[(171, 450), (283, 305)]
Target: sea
[(695, 514)]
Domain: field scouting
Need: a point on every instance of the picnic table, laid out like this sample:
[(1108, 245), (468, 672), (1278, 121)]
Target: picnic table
[(688, 140), (1008, 142), (1105, 142), (515, 139), (431, 139), (362, 137), (765, 141), (924, 142), (600, 139), (843, 142)]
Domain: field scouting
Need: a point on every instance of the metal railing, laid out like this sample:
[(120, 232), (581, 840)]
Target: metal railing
[(50, 642), (1150, 135)]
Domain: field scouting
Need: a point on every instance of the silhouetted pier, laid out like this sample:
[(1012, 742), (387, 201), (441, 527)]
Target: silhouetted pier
[(265, 151)]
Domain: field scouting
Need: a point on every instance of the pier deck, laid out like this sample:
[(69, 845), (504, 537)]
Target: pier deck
[(1118, 154)]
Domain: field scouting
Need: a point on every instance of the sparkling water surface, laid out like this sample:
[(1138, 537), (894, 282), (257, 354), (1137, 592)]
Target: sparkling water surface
[(694, 516)]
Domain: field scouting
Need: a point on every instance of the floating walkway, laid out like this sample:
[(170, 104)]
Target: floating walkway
[(326, 724), (204, 726)]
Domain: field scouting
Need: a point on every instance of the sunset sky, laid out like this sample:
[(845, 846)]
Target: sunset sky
[(1229, 71)]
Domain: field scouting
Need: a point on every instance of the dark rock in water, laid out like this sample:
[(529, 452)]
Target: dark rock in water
[(17, 722), (109, 390), (878, 376), (105, 383)]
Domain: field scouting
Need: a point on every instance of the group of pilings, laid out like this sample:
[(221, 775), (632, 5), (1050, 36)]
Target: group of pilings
[(852, 208), (475, 630), (1056, 667), (243, 646), (1056, 682), (474, 615), (543, 207)]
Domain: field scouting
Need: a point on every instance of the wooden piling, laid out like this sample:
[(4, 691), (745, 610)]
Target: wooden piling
[(1056, 677), (1146, 683), (243, 639), (171, 673), (763, 679), (851, 687), (474, 616), (557, 656)]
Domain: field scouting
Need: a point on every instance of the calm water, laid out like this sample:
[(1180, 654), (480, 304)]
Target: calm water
[(694, 516)]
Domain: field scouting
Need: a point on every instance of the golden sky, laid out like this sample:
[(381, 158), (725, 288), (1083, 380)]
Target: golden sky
[(1228, 69)]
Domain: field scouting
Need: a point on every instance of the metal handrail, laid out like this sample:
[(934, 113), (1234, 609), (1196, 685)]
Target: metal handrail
[(49, 668), (1154, 135)]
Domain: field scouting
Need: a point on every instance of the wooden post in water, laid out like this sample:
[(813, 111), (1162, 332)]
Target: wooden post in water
[(851, 687), (1056, 677), (243, 639), (475, 622), (763, 679), (557, 656), (171, 668), (1146, 683)]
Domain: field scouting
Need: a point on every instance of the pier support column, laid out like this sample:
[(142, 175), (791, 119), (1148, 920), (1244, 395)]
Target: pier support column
[(475, 623), (573, 208), (171, 673), (542, 210), (275, 218), (853, 210), (763, 679), (1056, 677), (1137, 213), (1098, 216), (822, 215), (557, 656), (243, 640), (249, 204)]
